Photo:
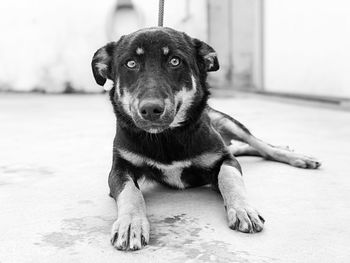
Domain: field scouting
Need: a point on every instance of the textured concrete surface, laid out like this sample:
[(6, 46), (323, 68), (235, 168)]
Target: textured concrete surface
[(55, 154)]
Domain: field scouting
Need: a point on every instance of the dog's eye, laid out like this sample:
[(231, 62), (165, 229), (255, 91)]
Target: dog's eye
[(131, 64), (175, 61)]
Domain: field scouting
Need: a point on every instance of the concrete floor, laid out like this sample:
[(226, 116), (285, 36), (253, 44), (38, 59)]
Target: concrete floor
[(55, 157)]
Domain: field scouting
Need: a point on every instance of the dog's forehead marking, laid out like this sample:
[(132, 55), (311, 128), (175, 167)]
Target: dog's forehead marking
[(165, 50), (140, 51)]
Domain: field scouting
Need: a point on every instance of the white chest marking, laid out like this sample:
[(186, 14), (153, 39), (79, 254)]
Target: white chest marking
[(172, 172), (173, 177)]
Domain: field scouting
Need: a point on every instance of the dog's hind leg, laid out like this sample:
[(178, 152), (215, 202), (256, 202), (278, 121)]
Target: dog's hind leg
[(230, 129), (238, 148)]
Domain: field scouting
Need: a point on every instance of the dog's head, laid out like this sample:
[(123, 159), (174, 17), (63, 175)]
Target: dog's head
[(159, 77)]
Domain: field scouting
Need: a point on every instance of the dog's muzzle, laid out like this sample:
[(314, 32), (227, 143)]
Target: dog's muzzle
[(153, 115), (151, 109)]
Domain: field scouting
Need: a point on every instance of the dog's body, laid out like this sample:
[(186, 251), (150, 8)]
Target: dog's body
[(166, 132)]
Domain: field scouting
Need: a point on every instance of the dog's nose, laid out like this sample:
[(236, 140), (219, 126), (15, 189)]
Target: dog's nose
[(151, 109)]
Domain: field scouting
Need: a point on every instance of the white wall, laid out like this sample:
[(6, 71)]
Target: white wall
[(231, 33), (45, 43), (307, 47), (219, 39)]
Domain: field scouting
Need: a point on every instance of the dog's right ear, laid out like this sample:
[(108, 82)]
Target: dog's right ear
[(207, 56), (102, 63)]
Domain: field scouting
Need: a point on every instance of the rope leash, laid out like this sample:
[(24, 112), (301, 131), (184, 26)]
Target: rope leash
[(161, 13)]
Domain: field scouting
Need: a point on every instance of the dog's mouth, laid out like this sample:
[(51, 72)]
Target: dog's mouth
[(153, 115), (154, 126)]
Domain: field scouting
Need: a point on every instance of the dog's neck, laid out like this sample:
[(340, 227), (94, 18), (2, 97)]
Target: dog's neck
[(172, 144)]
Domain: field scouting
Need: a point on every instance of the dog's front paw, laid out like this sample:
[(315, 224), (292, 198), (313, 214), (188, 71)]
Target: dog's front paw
[(130, 232), (245, 219)]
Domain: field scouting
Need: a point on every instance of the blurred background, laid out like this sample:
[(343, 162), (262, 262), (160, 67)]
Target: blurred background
[(295, 48)]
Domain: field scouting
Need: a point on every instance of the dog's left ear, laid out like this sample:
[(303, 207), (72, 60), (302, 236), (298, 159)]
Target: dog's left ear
[(206, 54), (102, 63)]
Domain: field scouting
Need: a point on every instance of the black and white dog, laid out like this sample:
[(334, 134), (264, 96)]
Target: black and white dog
[(166, 132)]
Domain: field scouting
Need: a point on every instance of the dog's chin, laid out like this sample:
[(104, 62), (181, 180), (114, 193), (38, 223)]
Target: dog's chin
[(153, 128)]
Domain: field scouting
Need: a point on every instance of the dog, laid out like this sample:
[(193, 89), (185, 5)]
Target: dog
[(166, 132)]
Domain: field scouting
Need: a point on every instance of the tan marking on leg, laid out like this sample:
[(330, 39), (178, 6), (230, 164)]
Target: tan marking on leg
[(241, 216), (131, 229), (231, 185)]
